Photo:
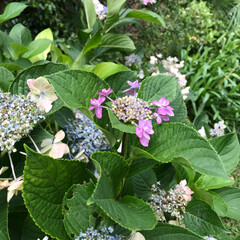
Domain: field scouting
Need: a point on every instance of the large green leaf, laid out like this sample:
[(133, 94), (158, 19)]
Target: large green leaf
[(90, 13), (106, 69), (231, 197), (118, 41), (19, 85), (129, 212), (20, 34), (200, 218), (45, 182), (37, 47), (4, 235), (228, 148), (76, 87), (154, 87), (6, 77), (165, 231), (12, 10), (180, 110), (178, 141), (114, 8), (210, 182), (118, 81), (77, 214), (146, 15), (142, 183)]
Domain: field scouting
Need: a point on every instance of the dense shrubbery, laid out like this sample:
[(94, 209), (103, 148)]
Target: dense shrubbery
[(132, 164)]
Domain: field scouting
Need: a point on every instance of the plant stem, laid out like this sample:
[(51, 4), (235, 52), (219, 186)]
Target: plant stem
[(3, 153), (35, 145), (123, 144), (12, 167)]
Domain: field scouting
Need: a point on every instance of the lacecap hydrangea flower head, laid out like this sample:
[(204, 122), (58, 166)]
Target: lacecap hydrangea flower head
[(131, 109)]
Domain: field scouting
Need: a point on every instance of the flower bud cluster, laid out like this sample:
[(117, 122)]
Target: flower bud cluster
[(131, 108), (85, 136), (18, 115), (173, 202), (105, 233)]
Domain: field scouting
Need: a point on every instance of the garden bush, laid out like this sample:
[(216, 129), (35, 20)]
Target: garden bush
[(93, 151)]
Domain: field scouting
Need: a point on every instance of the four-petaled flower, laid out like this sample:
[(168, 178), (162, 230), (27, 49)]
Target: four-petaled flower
[(105, 92), (42, 93), (143, 130), (160, 117), (132, 90), (163, 108), (97, 105), (54, 147)]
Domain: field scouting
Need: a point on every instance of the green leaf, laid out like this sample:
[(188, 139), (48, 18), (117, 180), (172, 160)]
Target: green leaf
[(143, 182), (37, 47), (210, 182), (12, 10), (19, 85), (147, 16), (45, 34), (200, 218), (18, 50), (94, 42), (129, 212), (90, 13), (114, 8), (176, 140), (76, 87), (4, 235), (231, 196), (106, 69), (164, 231), (118, 81), (45, 182), (120, 125), (218, 204), (180, 110), (154, 87), (118, 41), (20, 34), (77, 214), (124, 21), (227, 147), (63, 115), (6, 78)]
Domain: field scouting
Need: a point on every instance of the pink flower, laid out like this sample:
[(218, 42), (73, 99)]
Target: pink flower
[(105, 92), (42, 93), (132, 90), (143, 130), (163, 108), (145, 2), (54, 147), (97, 105), (160, 117), (181, 187)]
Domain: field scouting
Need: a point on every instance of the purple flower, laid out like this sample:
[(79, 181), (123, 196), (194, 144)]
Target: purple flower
[(132, 90), (163, 108), (160, 117), (143, 130), (105, 92), (97, 105)]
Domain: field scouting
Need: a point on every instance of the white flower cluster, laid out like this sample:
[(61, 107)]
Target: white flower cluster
[(100, 9), (18, 115), (105, 233), (218, 129), (131, 59), (173, 202), (172, 66), (45, 238)]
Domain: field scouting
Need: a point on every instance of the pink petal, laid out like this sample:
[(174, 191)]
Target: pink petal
[(58, 150), (91, 108), (139, 132), (60, 135), (159, 120), (144, 141), (98, 112), (30, 83)]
